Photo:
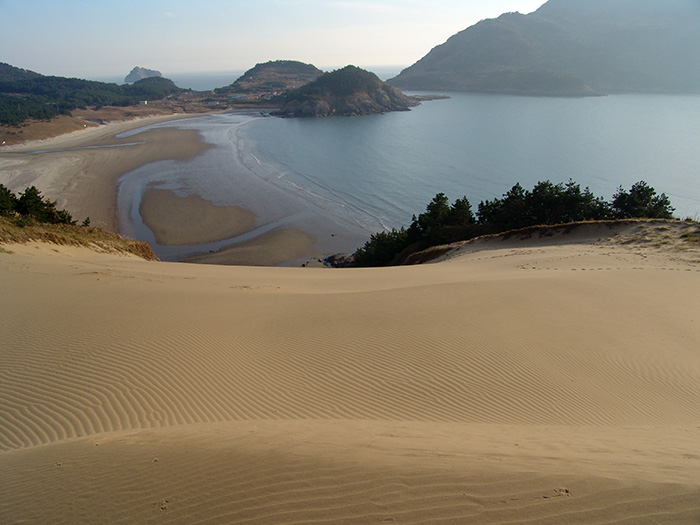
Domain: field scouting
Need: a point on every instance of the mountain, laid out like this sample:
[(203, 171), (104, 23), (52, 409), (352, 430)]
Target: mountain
[(10, 73), (570, 48), (139, 73), (271, 77), (345, 92)]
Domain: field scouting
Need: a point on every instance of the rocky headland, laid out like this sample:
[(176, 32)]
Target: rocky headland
[(139, 73)]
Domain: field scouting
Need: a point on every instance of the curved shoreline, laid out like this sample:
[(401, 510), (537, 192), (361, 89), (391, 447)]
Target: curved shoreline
[(103, 173), (80, 170), (289, 227)]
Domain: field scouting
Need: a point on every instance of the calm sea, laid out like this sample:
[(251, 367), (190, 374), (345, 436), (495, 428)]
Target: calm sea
[(383, 169), (341, 179)]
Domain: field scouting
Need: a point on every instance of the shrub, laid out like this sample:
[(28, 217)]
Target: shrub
[(546, 204), (31, 206)]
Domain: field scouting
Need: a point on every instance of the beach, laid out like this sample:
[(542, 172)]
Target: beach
[(532, 378), (547, 375), (137, 178), (80, 170)]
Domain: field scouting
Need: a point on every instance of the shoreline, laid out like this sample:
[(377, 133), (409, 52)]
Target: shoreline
[(264, 220), (80, 170), (222, 209)]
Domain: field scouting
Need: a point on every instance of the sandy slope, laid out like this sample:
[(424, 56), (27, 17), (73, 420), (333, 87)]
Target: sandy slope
[(540, 380)]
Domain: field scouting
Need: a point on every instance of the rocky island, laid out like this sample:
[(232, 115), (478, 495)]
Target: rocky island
[(139, 73), (345, 92)]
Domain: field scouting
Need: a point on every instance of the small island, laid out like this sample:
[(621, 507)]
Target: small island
[(348, 91), (139, 73)]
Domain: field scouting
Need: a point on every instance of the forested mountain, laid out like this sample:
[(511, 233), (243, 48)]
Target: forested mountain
[(345, 92), (31, 95), (271, 77), (570, 47), (9, 73)]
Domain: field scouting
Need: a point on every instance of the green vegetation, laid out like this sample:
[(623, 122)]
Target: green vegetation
[(272, 77), (9, 73), (31, 217), (23, 97), (342, 83), (15, 109), (546, 204), (31, 207), (345, 92)]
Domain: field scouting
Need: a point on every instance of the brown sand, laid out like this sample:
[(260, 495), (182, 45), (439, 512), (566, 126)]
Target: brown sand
[(84, 181), (188, 220), (550, 380), (270, 249)]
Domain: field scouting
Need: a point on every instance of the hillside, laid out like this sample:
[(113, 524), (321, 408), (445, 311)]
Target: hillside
[(10, 73), (34, 96), (570, 48), (345, 92), (273, 77)]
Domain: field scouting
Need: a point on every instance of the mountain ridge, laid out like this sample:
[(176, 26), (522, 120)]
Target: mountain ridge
[(568, 48)]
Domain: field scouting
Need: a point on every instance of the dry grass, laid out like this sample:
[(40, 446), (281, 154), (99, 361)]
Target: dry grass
[(84, 118), (41, 129), (668, 234), (69, 235)]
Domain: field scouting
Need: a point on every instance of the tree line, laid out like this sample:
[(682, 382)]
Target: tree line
[(30, 206), (545, 204), (45, 97)]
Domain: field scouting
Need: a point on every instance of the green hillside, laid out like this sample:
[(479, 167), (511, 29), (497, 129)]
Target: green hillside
[(345, 92), (31, 95)]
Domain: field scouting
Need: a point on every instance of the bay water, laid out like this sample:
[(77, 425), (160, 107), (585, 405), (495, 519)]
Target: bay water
[(383, 169), (341, 179)]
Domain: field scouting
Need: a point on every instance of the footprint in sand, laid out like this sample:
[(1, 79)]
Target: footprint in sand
[(162, 505)]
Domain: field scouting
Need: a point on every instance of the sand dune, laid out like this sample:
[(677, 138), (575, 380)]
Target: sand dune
[(548, 379)]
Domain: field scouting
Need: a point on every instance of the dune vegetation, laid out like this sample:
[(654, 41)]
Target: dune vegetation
[(545, 204)]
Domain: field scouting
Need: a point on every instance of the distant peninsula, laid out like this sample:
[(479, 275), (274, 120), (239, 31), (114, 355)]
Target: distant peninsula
[(570, 48), (348, 91), (139, 73)]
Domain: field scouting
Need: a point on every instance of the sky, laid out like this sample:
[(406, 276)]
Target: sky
[(98, 38)]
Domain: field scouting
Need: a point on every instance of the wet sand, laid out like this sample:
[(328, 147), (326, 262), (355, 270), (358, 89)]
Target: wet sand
[(264, 224), (188, 220), (80, 170)]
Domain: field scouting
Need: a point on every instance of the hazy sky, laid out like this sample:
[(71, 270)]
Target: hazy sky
[(89, 38)]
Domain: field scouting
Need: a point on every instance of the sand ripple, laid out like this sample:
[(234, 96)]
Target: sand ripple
[(471, 390)]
